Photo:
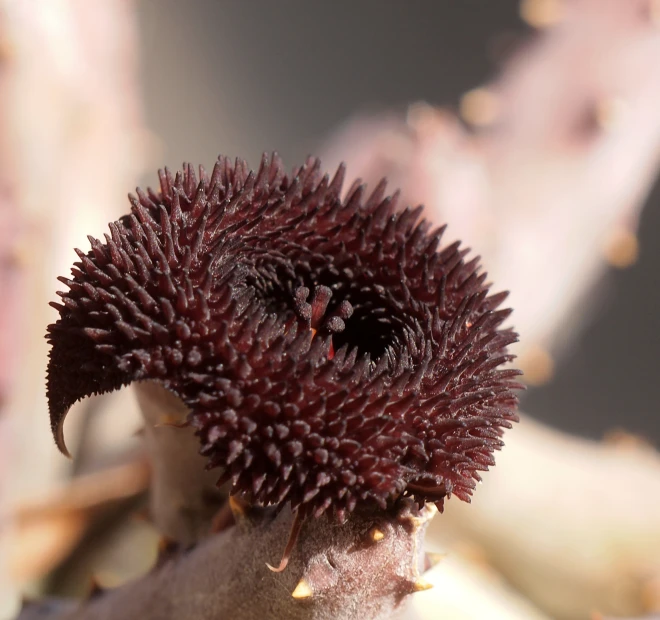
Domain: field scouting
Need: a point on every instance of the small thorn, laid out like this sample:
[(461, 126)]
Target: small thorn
[(376, 535), (166, 549), (303, 590), (239, 507), (537, 364), (223, 519), (95, 589), (480, 107), (421, 584), (27, 602), (173, 421), (142, 516), (432, 559), (621, 248)]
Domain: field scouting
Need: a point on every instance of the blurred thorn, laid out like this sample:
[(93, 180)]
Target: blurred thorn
[(167, 549), (376, 534), (422, 117), (26, 602), (223, 519), (542, 13), (302, 590), (19, 255), (239, 507), (621, 248), (432, 559), (480, 107), (610, 112), (651, 594), (421, 584), (7, 49), (172, 420), (95, 589), (107, 580), (627, 442), (143, 516), (654, 12), (537, 365), (474, 553)]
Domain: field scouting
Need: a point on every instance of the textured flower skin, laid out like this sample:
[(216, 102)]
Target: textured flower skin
[(331, 353)]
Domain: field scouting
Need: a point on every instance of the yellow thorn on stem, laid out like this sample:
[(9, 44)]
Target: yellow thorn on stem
[(171, 420), (421, 584), (303, 590), (238, 506), (376, 535)]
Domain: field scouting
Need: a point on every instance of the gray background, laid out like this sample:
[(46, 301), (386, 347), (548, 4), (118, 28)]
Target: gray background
[(241, 77)]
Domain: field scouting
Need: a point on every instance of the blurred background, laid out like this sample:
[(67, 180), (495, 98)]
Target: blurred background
[(532, 128), (239, 78)]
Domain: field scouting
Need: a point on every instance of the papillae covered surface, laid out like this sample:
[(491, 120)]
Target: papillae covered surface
[(331, 353)]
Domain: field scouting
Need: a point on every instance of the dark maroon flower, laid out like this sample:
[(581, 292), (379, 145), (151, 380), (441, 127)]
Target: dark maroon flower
[(330, 352)]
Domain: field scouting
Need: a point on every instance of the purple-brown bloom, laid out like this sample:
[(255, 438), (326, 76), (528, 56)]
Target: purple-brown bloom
[(331, 352)]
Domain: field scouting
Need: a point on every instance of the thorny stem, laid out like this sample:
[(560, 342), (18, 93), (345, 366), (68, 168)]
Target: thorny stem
[(337, 572)]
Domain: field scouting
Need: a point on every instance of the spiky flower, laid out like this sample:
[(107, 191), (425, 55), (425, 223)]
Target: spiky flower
[(331, 354)]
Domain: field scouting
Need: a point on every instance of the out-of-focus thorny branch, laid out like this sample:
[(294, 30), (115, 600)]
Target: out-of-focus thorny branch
[(71, 143), (549, 180)]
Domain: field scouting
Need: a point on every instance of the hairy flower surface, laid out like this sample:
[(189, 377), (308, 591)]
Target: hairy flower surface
[(331, 353)]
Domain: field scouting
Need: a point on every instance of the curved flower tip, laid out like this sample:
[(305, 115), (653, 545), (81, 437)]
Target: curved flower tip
[(331, 352)]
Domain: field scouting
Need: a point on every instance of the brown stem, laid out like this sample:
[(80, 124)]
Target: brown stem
[(336, 572)]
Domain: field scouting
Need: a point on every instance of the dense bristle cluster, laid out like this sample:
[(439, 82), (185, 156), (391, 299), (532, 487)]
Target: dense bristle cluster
[(330, 353)]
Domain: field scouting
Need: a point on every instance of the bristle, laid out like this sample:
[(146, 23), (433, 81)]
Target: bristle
[(331, 352)]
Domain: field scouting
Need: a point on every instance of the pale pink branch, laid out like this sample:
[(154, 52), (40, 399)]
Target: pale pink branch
[(550, 182)]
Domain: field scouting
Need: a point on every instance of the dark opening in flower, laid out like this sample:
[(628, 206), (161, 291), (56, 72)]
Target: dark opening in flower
[(331, 353)]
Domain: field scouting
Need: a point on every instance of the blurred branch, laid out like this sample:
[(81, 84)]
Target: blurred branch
[(71, 143), (46, 530), (574, 524), (548, 180)]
